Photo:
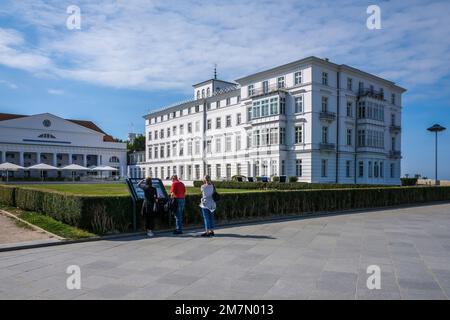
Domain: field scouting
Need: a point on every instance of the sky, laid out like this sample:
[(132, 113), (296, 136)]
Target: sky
[(133, 56)]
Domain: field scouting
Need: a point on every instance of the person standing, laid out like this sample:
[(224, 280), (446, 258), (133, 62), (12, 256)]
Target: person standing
[(149, 205), (178, 192), (208, 206)]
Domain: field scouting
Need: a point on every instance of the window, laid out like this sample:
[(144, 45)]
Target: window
[(47, 136), (181, 129), (174, 130), (370, 169), (156, 153), (203, 93), (298, 104), (324, 104), (208, 146), (393, 143), (156, 134), (197, 126), (208, 106), (273, 136), (218, 123), (349, 137), (228, 144), (265, 86), (197, 108), (197, 147), (208, 170), (168, 151), (189, 110), (256, 138), (168, 132), (181, 149), (238, 169), (381, 169), (198, 94), (238, 142), (349, 84), (324, 78), (208, 92), (150, 152), (189, 127), (274, 167), (298, 78), (238, 119), (393, 98), (251, 90), (299, 134), (218, 145), (349, 109), (249, 114), (361, 86), (280, 82), (324, 168), (174, 149), (208, 124), (282, 135), (218, 104), (189, 150), (218, 171), (283, 167), (161, 152), (282, 105), (324, 134), (298, 168), (264, 108), (161, 133), (274, 106), (376, 170), (228, 121), (348, 166), (228, 101), (392, 170), (370, 110), (150, 136), (393, 119), (361, 169)]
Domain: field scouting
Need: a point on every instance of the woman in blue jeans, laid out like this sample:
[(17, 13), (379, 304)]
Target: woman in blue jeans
[(208, 206)]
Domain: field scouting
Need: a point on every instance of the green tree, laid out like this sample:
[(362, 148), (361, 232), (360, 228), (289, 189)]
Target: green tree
[(137, 145)]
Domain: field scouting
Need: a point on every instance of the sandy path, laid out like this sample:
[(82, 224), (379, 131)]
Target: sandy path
[(11, 233)]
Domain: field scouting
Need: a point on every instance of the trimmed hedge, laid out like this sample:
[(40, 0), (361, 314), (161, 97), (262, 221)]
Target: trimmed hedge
[(276, 185), (407, 182), (114, 214)]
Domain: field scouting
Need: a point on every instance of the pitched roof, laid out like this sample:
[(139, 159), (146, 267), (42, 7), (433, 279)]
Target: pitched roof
[(87, 124)]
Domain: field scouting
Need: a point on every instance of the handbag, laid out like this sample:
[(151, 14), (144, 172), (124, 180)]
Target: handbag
[(215, 195)]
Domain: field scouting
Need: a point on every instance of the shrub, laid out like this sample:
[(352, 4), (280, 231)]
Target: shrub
[(409, 181), (293, 179), (275, 179), (7, 195)]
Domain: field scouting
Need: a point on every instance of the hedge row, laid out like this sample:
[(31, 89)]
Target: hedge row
[(282, 186), (114, 214)]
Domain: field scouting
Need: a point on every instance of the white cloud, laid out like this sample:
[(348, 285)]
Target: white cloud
[(9, 84), (159, 44), (57, 92)]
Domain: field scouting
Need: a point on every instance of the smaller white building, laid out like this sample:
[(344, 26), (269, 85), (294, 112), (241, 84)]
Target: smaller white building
[(46, 138)]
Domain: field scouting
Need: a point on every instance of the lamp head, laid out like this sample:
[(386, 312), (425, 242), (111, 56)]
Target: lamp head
[(436, 128)]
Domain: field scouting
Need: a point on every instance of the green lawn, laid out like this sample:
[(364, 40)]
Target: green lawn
[(112, 189)]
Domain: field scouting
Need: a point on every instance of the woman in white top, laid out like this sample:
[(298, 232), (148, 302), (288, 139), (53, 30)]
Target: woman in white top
[(208, 206)]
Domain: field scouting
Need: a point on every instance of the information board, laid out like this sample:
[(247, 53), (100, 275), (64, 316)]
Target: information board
[(138, 193)]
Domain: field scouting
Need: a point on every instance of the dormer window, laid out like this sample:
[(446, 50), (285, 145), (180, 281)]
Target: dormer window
[(47, 136)]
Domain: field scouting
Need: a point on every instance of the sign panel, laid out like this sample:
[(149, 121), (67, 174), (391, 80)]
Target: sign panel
[(138, 193)]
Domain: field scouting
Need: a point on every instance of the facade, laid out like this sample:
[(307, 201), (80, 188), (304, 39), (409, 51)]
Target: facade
[(314, 119), (46, 138)]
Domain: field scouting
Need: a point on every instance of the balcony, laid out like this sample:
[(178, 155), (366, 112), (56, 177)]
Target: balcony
[(327, 116), (393, 154), (327, 147), (368, 92), (265, 91), (395, 129)]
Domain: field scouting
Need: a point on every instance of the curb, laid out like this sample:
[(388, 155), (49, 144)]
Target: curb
[(24, 246)]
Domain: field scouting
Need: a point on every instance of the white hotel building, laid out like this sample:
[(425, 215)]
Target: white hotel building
[(314, 119), (46, 138)]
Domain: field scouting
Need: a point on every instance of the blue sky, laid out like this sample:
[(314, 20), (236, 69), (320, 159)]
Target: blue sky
[(133, 56)]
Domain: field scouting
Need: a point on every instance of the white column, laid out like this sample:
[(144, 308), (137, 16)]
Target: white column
[(55, 159), (38, 157), (70, 159), (84, 160), (21, 160)]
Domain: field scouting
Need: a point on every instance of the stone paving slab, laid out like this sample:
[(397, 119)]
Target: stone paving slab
[(315, 258)]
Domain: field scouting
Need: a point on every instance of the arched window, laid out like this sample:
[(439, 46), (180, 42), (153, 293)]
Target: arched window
[(114, 159), (198, 94), (203, 93), (208, 92), (47, 136)]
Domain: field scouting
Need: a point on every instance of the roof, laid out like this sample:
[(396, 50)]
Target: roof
[(206, 81), (84, 123)]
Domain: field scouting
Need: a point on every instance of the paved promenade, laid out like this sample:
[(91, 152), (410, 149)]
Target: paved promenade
[(315, 258)]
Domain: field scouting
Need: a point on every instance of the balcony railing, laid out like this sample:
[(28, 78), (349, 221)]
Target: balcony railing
[(327, 116), (395, 129), (327, 146), (368, 92), (267, 90), (393, 154)]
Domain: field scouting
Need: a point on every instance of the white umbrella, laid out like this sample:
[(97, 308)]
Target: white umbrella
[(9, 167), (42, 167), (74, 167), (102, 169)]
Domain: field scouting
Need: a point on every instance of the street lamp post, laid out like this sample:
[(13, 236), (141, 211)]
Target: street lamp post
[(436, 129)]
